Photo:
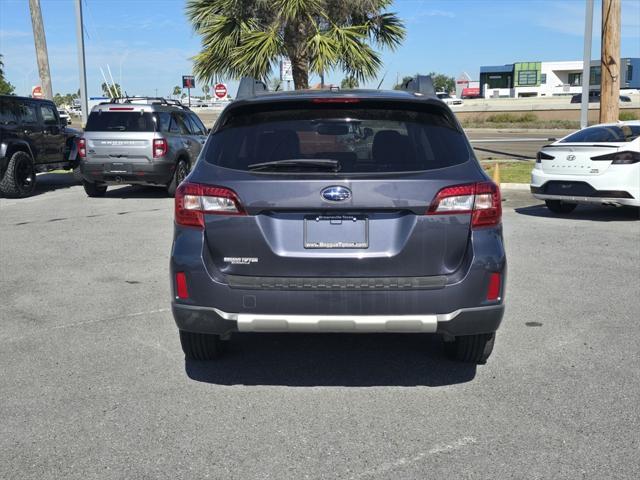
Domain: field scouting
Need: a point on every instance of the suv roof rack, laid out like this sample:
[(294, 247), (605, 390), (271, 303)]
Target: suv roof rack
[(150, 101), (422, 84), (250, 87)]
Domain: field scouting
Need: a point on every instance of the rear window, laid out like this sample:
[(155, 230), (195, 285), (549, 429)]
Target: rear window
[(101, 121), (361, 140), (610, 133)]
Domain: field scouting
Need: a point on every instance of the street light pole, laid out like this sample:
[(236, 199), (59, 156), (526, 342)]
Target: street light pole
[(84, 103), (586, 64)]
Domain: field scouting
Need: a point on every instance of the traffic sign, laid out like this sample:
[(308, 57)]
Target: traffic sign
[(188, 81), (36, 91), (220, 90)]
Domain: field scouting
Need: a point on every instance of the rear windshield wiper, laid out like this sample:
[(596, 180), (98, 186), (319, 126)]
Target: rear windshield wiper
[(323, 163)]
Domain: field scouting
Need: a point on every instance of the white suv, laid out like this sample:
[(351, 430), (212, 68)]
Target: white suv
[(599, 164)]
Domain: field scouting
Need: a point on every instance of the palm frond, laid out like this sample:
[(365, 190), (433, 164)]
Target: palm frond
[(386, 29), (258, 52)]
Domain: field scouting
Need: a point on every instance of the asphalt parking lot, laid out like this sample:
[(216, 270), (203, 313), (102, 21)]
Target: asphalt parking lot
[(94, 384)]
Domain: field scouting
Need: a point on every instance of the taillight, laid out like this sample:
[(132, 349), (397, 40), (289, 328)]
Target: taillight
[(481, 199), (620, 158), (81, 143), (543, 156), (160, 147), (194, 200)]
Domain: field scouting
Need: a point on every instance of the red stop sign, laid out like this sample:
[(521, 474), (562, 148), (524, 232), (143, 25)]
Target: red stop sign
[(220, 90)]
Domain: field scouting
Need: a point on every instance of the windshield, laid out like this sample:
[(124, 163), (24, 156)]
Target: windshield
[(361, 140), (604, 134), (120, 122)]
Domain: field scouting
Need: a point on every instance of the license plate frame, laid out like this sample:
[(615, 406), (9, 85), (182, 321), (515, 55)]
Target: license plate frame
[(118, 167), (314, 238)]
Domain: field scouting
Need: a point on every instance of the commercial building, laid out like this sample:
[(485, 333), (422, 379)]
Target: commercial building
[(542, 79)]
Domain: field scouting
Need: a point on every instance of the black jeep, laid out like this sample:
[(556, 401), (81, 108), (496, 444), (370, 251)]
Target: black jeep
[(33, 139)]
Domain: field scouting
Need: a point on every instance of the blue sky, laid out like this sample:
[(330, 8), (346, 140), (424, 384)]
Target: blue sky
[(151, 40)]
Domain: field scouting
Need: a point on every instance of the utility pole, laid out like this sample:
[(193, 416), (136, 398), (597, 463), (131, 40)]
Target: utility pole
[(610, 62), (84, 103), (586, 64), (41, 48)]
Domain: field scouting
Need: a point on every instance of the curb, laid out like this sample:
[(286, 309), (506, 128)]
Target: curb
[(514, 186)]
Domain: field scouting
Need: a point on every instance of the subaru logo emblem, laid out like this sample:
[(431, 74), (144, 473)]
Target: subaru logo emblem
[(336, 193), (571, 158)]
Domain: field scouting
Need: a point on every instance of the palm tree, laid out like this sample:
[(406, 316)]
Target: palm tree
[(205, 90), (349, 82), (177, 91), (249, 37)]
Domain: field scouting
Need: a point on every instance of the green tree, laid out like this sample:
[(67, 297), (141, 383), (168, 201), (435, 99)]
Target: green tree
[(398, 86), (248, 37), (349, 82), (5, 87), (442, 82), (111, 91), (177, 91), (205, 90)]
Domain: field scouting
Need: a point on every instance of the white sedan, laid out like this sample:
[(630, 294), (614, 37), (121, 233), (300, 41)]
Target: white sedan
[(598, 164), (448, 99)]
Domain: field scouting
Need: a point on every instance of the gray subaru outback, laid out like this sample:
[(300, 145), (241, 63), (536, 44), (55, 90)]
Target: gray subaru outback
[(349, 211), (139, 141)]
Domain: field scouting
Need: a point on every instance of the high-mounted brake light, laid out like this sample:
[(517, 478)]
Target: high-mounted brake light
[(481, 200), (336, 100), (619, 158), (160, 147), (81, 143), (194, 200), (120, 108)]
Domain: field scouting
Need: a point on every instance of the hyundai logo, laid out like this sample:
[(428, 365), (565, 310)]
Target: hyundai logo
[(336, 193), (571, 158)]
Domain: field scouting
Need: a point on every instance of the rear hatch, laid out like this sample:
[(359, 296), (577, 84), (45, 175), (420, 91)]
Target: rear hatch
[(118, 135), (586, 152), (337, 190)]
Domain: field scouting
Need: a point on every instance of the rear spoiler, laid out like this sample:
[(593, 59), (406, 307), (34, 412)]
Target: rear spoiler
[(250, 87)]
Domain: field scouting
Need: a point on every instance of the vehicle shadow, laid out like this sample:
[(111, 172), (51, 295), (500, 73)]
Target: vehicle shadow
[(135, 191), (585, 212), (47, 182), (350, 360)]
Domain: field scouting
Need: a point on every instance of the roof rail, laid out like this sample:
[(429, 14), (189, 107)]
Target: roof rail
[(149, 100), (422, 84), (250, 87)]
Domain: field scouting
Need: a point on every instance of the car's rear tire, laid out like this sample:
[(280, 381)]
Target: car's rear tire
[(94, 189), (559, 206), (200, 346), (19, 179), (181, 172), (471, 348)]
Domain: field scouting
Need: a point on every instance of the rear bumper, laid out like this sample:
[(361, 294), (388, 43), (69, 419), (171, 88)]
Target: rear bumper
[(152, 173), (465, 321), (457, 306), (618, 185)]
